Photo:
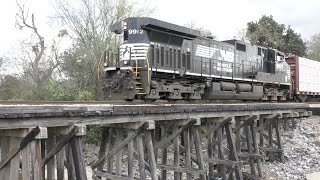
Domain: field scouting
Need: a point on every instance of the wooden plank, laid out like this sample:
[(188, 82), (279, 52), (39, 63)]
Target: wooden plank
[(119, 153), (15, 161), (26, 162), (256, 148), (70, 163), (43, 154), (210, 153), (111, 146), (279, 142), (182, 170), (5, 153), (238, 140), (36, 166), (270, 129), (33, 133), (150, 151), (130, 156), (103, 145), (226, 162), (77, 154), (140, 150), (176, 154), (164, 152), (233, 152), (60, 160), (111, 176), (222, 167), (250, 150), (215, 128), (121, 145), (198, 147), (54, 150), (188, 152), (166, 141)]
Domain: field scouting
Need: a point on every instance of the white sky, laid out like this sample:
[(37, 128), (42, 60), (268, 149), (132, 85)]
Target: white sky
[(225, 18)]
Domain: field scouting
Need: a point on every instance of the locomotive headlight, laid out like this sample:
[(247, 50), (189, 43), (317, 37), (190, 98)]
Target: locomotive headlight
[(125, 62)]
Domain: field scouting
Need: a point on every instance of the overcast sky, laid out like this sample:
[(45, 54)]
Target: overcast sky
[(225, 18)]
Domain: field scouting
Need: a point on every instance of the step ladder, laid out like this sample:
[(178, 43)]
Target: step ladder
[(138, 83)]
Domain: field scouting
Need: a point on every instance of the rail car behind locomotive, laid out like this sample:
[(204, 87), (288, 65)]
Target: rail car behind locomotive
[(160, 60), (305, 76)]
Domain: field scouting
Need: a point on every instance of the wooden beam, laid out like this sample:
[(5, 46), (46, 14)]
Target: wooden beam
[(111, 176), (26, 140), (121, 145), (60, 145), (215, 128), (77, 154), (166, 141), (182, 170)]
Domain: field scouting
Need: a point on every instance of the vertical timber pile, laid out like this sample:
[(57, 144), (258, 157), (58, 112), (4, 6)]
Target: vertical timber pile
[(40, 151)]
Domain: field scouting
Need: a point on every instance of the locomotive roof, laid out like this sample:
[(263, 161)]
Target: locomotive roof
[(157, 25)]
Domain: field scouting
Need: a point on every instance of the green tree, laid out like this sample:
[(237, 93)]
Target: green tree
[(268, 32), (87, 23), (314, 47)]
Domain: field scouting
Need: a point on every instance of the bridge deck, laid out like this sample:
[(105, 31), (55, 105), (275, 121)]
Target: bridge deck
[(52, 115)]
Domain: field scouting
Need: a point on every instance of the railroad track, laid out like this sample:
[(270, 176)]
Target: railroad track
[(137, 102)]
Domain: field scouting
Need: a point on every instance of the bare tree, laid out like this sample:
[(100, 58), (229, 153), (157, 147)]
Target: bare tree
[(39, 61), (88, 22), (314, 47)]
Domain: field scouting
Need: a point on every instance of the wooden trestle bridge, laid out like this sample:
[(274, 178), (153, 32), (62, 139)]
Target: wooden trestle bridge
[(146, 141)]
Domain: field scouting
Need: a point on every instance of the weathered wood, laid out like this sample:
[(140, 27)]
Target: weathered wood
[(15, 161), (215, 128), (250, 151), (166, 141), (270, 128), (140, 150), (188, 152), (12, 152), (60, 160), (119, 153), (182, 170), (120, 145), (253, 127), (238, 140), (233, 153), (51, 163), (111, 176), (193, 157), (279, 142), (54, 150), (111, 146), (210, 154), (77, 154), (36, 168), (222, 167), (176, 154), (164, 152), (70, 163), (26, 162), (150, 151), (130, 156), (5, 153), (198, 147), (43, 154), (261, 132), (103, 146), (226, 162)]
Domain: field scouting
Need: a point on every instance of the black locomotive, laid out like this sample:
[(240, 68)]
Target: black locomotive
[(160, 60)]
